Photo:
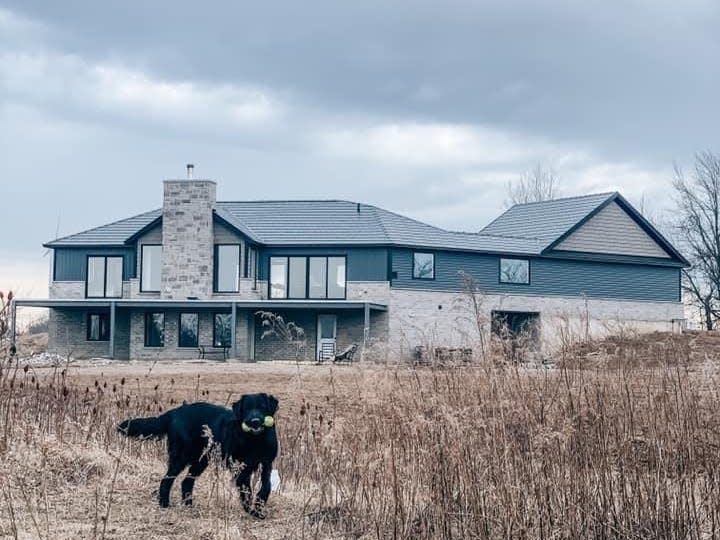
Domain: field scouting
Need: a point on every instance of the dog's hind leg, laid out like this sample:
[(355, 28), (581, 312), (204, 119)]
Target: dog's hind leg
[(196, 469), (175, 467)]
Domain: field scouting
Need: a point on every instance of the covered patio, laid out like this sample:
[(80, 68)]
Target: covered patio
[(124, 315)]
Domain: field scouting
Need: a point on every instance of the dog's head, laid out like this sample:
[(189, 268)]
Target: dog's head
[(255, 412)]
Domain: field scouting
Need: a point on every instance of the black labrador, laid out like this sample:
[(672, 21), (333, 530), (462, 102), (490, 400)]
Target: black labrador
[(245, 435)]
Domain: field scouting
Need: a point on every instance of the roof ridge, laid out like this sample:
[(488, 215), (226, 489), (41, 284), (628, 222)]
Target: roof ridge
[(253, 233), (379, 221), (572, 197), (105, 225), (287, 201)]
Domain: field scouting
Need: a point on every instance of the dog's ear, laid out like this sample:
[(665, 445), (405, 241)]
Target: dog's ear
[(238, 407), (271, 404)]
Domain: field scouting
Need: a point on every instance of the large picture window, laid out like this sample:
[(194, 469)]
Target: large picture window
[(188, 330), (423, 265), (227, 267), (515, 271), (222, 330), (151, 265), (155, 329), (98, 327), (308, 277), (104, 277)]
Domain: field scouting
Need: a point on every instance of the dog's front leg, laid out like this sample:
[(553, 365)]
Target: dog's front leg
[(242, 481), (265, 487)]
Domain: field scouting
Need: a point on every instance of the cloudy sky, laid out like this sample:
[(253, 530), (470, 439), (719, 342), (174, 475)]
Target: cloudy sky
[(425, 108)]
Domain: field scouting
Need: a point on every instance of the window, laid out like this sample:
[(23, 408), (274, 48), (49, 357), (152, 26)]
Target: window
[(423, 265), (104, 277), (151, 265), (516, 271), (251, 263), (154, 329), (298, 277), (336, 277), (227, 267), (308, 277), (278, 275), (98, 327), (188, 330), (318, 277), (222, 330)]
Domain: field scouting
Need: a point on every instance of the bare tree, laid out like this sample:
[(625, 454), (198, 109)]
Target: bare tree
[(698, 201), (541, 183)]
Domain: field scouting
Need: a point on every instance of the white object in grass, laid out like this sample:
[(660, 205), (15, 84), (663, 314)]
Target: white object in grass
[(274, 480)]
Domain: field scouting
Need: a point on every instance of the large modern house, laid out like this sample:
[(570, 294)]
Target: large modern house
[(196, 273)]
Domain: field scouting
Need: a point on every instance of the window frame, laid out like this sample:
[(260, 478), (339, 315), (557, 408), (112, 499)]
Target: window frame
[(215, 341), (520, 284), (105, 276), (432, 254), (142, 258), (102, 315), (197, 330), (307, 276), (148, 315), (216, 273)]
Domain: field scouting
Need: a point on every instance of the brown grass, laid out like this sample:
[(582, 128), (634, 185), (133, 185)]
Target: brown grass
[(370, 452)]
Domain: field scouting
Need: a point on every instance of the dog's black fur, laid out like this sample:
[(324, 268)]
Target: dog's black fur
[(188, 445)]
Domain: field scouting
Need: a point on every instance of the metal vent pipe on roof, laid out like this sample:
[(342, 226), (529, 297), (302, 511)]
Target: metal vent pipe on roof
[(190, 169)]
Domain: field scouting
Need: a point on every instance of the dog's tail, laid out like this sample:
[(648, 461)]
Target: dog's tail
[(154, 427)]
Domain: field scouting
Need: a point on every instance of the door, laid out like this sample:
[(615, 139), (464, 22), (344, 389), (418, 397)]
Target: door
[(326, 336)]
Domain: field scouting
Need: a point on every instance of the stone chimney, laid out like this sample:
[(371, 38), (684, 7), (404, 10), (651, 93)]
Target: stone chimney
[(187, 226)]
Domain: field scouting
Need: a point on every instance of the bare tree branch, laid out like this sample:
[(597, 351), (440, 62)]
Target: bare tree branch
[(541, 183)]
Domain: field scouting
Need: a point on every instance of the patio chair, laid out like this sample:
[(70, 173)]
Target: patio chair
[(347, 355)]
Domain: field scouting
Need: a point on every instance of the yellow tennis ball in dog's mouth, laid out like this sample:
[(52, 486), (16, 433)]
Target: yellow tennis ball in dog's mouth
[(245, 427), (269, 421)]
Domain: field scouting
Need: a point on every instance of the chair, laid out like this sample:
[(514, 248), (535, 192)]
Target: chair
[(327, 351), (347, 355)]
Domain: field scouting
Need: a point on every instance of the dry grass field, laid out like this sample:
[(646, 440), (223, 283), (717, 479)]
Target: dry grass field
[(621, 451)]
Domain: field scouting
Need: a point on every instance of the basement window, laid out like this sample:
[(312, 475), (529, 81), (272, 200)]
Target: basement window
[(222, 330), (98, 327), (155, 329), (188, 330)]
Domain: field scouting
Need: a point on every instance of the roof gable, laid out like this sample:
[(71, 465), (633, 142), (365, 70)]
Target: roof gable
[(612, 230)]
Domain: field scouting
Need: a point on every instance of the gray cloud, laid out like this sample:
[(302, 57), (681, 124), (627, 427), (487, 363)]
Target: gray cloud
[(423, 107)]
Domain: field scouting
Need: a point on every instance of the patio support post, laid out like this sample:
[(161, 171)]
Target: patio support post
[(13, 324), (112, 330), (233, 330), (366, 329)]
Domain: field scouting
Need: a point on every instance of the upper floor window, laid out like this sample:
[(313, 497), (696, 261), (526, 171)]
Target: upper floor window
[(515, 271), (251, 263), (104, 277), (423, 265), (308, 277), (227, 267), (151, 265)]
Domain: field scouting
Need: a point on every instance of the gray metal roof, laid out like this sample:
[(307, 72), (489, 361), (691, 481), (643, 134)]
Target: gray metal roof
[(524, 229), (546, 220)]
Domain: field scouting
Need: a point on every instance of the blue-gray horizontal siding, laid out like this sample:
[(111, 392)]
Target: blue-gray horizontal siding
[(363, 264), (551, 277), (71, 263)]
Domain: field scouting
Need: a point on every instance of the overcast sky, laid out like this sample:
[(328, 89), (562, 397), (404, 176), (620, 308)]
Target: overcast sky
[(425, 108)]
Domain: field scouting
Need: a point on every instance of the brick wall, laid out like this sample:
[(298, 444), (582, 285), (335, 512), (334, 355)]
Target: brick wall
[(67, 335)]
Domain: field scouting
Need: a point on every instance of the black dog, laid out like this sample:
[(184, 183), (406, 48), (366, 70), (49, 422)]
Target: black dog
[(245, 434)]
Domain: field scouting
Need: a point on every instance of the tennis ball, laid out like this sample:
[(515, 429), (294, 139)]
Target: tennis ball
[(246, 428), (269, 421)]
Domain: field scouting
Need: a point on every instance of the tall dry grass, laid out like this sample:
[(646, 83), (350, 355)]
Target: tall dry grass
[(387, 453)]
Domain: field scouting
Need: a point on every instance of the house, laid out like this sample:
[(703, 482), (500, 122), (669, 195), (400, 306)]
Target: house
[(197, 271)]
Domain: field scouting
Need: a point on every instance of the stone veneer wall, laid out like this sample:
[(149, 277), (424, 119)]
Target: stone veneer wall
[(187, 233), (432, 318), (171, 350), (67, 335)]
